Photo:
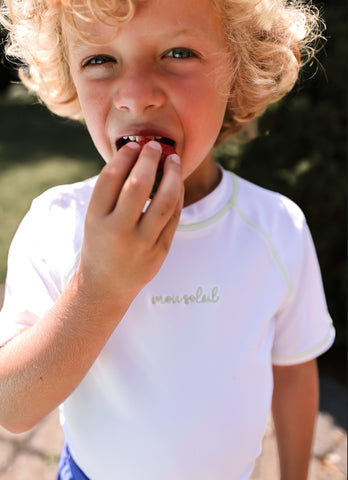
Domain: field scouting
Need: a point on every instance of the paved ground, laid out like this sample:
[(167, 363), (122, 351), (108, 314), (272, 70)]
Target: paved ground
[(33, 455)]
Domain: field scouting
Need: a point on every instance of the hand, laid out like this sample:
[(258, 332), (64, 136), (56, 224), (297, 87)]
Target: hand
[(123, 247)]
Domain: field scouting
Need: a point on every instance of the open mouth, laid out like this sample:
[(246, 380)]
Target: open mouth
[(142, 140), (168, 145)]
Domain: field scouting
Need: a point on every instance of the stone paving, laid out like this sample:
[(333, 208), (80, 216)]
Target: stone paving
[(33, 455)]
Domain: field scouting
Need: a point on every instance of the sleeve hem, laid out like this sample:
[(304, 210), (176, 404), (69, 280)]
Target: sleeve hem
[(308, 354)]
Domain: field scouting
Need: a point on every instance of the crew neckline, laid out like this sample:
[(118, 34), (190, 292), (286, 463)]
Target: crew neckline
[(213, 206)]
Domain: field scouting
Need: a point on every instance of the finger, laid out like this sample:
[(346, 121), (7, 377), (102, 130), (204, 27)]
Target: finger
[(165, 202), (166, 236), (137, 187), (111, 180)]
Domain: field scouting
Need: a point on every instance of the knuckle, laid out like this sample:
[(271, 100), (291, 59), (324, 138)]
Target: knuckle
[(168, 202), (176, 215), (110, 171), (166, 244), (134, 183)]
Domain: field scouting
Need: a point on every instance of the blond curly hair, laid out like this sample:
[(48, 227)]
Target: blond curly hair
[(269, 41)]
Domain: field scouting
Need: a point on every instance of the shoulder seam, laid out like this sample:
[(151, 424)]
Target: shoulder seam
[(266, 237)]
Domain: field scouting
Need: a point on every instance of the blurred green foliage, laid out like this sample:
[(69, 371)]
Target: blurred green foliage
[(301, 152), (37, 151)]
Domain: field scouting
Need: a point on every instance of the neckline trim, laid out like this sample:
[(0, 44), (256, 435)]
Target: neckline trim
[(219, 214)]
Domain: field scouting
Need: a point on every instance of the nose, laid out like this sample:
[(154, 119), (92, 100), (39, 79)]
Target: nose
[(138, 90)]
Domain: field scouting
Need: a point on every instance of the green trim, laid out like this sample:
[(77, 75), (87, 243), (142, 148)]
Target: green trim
[(270, 243), (268, 240), (210, 221), (310, 351)]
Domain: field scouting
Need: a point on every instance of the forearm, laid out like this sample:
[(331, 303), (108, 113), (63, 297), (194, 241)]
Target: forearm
[(41, 366), (122, 250), (295, 407)]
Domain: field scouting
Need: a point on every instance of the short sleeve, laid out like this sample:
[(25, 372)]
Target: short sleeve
[(43, 255), (303, 327), (30, 288)]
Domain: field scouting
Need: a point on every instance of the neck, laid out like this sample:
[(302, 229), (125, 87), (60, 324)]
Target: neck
[(201, 182)]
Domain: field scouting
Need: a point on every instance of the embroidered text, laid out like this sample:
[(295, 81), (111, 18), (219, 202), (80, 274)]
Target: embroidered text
[(199, 297)]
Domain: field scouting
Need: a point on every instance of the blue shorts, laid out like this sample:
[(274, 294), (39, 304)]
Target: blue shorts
[(67, 468)]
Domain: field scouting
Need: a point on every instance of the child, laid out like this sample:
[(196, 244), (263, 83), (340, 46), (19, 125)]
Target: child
[(166, 331)]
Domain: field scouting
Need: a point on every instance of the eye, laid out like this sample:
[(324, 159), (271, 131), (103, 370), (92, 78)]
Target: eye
[(98, 60), (181, 53)]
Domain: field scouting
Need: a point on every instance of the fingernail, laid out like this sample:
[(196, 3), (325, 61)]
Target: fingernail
[(133, 145), (154, 145), (173, 157)]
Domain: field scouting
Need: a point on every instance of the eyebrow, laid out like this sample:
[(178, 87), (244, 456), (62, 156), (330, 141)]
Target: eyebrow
[(79, 43)]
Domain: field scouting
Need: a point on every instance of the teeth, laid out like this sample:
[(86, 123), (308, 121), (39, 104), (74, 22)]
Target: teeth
[(139, 138)]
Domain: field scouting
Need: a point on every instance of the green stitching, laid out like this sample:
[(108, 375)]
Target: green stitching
[(206, 223), (270, 243), (307, 352)]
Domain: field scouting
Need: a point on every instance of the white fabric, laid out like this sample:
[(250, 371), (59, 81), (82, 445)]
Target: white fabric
[(182, 390)]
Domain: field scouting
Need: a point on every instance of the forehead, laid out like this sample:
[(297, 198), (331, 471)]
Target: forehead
[(148, 18)]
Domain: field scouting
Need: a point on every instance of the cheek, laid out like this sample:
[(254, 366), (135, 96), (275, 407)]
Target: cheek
[(95, 116), (208, 95), (202, 119), (91, 101), (205, 110), (93, 105)]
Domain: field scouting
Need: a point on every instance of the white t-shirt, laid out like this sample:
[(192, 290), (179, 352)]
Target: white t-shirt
[(183, 388)]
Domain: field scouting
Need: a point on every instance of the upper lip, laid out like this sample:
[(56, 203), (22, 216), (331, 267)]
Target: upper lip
[(147, 131)]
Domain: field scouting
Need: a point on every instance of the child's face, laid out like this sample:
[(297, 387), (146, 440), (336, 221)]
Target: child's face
[(164, 74)]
